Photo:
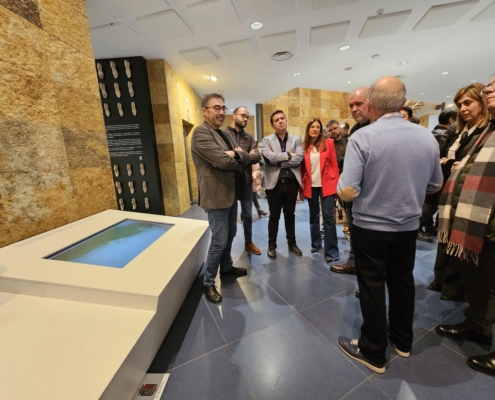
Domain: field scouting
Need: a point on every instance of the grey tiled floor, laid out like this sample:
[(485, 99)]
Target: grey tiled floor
[(275, 334)]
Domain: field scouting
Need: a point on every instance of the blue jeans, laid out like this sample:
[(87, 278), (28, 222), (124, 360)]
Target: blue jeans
[(247, 214), (223, 228), (327, 209)]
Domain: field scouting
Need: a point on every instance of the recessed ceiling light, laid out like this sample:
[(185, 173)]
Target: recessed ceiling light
[(213, 78), (281, 56), (349, 82), (421, 94), (375, 56), (475, 81), (448, 97), (296, 73), (256, 25), (232, 109), (403, 62), (347, 69), (346, 47), (400, 76), (221, 90), (445, 73)]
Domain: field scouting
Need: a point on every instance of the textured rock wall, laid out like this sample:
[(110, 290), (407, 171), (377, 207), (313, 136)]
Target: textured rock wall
[(175, 106), (54, 162), (300, 105)]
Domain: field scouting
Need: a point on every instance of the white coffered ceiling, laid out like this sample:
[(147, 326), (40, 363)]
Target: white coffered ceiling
[(214, 37)]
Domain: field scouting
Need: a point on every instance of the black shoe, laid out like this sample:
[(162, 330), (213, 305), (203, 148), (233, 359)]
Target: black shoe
[(435, 286), (484, 364), (351, 349), (452, 298), (343, 269), (211, 294), (460, 332), (431, 232), (358, 294), (271, 252), (315, 250), (295, 250), (262, 213), (330, 259), (424, 237), (234, 272)]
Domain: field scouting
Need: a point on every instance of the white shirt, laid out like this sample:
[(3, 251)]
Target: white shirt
[(315, 167)]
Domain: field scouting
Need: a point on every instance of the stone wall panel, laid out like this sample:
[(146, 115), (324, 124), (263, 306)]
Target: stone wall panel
[(31, 146)]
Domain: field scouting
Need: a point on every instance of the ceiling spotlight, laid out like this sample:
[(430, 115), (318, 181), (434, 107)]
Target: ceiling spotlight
[(221, 90), (445, 73), (421, 94), (232, 109), (475, 81), (347, 69), (448, 97), (256, 25), (213, 78), (296, 74), (403, 62), (375, 56), (400, 76), (349, 82), (343, 48)]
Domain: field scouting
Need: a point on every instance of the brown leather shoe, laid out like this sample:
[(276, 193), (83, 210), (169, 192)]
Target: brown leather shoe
[(262, 213), (250, 247), (343, 269)]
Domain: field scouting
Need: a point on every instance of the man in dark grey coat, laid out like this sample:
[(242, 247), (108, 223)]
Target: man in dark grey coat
[(221, 182)]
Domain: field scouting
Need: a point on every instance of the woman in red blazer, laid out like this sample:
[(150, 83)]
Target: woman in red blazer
[(320, 175)]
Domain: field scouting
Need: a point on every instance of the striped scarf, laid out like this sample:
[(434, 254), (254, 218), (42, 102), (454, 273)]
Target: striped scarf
[(464, 235)]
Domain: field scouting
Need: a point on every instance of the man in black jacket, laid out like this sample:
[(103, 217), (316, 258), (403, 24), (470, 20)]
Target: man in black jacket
[(246, 142), (358, 104)]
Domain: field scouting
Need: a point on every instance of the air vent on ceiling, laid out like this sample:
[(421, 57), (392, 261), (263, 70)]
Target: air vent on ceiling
[(282, 56)]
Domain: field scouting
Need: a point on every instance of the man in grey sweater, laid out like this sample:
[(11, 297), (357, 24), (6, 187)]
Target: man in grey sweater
[(390, 166)]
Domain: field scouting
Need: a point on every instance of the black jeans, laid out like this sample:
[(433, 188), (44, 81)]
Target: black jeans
[(479, 282), (385, 257), (282, 197)]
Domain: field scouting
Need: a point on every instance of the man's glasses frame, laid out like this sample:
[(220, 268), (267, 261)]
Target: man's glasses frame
[(244, 116), (218, 108)]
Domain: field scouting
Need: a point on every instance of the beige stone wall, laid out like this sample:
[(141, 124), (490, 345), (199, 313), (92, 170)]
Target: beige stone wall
[(175, 106), (54, 162), (300, 105)]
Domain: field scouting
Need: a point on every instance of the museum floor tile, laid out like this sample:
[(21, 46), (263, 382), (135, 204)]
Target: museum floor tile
[(274, 336)]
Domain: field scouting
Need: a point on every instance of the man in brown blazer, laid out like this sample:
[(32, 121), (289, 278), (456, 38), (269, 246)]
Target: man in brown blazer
[(219, 167)]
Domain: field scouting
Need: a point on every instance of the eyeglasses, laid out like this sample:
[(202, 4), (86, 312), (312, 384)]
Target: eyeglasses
[(485, 89), (244, 116), (218, 108)]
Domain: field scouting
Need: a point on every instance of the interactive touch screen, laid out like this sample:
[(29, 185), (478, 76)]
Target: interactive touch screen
[(114, 247)]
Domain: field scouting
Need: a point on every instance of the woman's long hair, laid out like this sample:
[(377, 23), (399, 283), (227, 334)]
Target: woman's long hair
[(474, 92), (319, 142)]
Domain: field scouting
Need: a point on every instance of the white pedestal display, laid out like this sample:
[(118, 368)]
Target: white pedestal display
[(80, 331)]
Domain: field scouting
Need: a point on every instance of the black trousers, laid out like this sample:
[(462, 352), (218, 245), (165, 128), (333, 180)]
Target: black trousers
[(479, 283), (385, 257), (447, 273), (282, 197), (426, 220)]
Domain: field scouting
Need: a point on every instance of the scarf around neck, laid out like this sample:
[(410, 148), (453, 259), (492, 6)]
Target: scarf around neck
[(464, 235)]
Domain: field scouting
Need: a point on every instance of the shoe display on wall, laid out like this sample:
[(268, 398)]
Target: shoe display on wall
[(115, 73), (127, 68), (101, 74)]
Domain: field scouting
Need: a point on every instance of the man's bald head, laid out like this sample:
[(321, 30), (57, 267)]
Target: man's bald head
[(358, 103), (386, 95)]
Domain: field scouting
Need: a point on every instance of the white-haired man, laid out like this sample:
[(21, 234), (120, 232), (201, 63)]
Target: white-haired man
[(390, 166)]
